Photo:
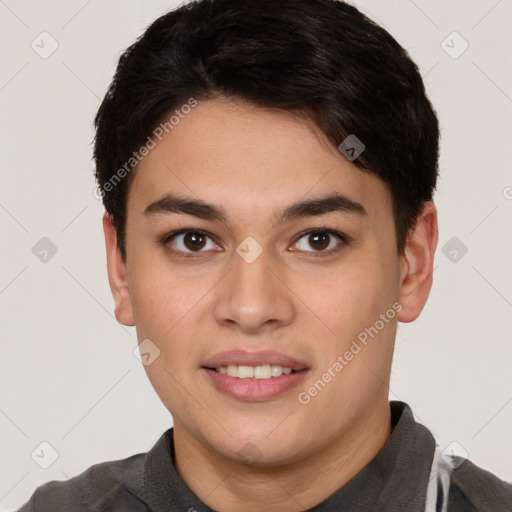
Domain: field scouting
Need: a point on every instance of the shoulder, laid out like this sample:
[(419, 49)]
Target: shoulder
[(103, 486), (473, 489)]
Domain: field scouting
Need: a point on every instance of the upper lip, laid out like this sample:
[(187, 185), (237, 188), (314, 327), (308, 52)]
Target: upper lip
[(260, 358)]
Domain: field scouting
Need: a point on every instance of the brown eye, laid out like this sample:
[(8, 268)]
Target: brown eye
[(321, 241), (190, 242), (194, 241)]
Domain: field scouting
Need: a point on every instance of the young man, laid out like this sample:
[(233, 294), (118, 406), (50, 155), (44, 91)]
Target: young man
[(267, 170)]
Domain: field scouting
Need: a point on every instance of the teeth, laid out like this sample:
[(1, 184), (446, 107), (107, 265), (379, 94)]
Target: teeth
[(265, 371), (262, 372), (276, 371), (245, 372), (232, 370)]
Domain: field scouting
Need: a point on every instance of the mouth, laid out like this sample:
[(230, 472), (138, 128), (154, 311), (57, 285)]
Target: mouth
[(254, 376)]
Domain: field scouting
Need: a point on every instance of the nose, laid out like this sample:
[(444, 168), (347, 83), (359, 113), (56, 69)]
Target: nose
[(253, 297)]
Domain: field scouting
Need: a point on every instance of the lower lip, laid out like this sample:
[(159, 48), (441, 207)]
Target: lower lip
[(255, 390)]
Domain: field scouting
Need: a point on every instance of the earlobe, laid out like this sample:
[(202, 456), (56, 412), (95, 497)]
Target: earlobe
[(117, 274), (417, 264)]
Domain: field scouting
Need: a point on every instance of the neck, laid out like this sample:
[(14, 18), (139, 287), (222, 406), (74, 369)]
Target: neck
[(229, 486)]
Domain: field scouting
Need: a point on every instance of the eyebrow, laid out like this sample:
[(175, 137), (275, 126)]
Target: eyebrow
[(330, 203)]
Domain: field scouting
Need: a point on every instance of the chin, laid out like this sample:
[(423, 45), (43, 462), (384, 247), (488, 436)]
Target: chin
[(261, 449)]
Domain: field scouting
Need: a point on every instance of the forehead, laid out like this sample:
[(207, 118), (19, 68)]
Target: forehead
[(250, 160)]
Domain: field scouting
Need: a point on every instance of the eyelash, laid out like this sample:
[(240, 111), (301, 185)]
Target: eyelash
[(344, 241)]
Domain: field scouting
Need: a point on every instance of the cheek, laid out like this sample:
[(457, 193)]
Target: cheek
[(150, 310), (164, 311), (353, 298), (359, 336), (166, 307), (158, 295)]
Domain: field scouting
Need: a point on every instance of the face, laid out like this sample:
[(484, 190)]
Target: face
[(262, 266)]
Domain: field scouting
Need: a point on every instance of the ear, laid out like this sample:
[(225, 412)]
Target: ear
[(117, 274), (417, 264)]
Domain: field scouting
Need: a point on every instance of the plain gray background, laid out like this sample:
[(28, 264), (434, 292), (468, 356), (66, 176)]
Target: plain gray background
[(68, 374)]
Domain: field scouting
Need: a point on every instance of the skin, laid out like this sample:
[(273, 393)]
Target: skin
[(254, 163)]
